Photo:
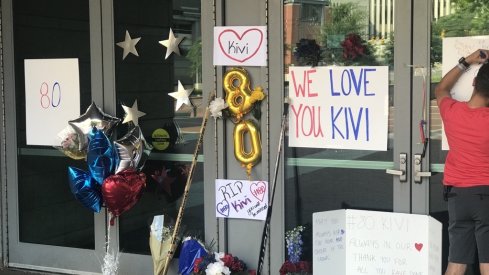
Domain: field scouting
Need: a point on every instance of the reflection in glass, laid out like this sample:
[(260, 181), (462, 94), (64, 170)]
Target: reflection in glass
[(48, 212), (343, 33), (149, 78)]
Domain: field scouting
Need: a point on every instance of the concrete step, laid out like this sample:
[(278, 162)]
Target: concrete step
[(12, 271)]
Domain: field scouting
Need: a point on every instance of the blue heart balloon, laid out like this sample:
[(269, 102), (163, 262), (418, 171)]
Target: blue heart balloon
[(100, 156), (85, 190), (191, 250)]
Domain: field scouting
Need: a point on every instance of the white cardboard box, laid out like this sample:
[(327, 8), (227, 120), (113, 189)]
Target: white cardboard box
[(348, 242)]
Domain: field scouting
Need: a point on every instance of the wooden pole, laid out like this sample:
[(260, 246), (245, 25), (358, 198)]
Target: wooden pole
[(176, 229)]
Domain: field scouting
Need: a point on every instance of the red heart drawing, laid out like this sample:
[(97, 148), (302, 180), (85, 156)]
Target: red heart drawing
[(240, 37), (258, 190), (418, 246)]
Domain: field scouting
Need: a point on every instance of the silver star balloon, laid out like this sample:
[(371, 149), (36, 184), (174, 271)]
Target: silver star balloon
[(129, 45), (171, 44), (132, 150), (132, 113), (181, 95), (93, 117)]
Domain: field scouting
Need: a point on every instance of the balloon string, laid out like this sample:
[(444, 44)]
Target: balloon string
[(108, 232)]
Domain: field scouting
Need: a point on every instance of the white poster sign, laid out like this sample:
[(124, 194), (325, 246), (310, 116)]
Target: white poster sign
[(372, 242), (241, 199), (339, 107), (453, 49), (240, 46), (52, 97)]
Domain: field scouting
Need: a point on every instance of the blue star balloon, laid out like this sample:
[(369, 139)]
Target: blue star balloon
[(191, 250), (100, 156), (84, 189)]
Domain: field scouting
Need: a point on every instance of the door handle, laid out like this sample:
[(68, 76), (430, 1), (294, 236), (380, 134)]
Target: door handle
[(418, 173), (402, 168)]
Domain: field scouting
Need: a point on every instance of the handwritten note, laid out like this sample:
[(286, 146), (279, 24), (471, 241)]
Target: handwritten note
[(369, 242), (241, 199), (453, 49), (52, 97), (339, 107), (240, 45)]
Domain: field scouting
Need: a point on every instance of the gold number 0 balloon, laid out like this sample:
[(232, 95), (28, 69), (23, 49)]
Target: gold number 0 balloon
[(239, 97), (247, 159)]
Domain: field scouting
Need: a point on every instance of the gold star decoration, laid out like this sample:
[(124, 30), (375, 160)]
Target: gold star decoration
[(132, 113), (171, 44), (129, 45), (181, 95)]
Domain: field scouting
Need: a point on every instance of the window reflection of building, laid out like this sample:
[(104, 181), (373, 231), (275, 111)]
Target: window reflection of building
[(303, 19), (186, 23)]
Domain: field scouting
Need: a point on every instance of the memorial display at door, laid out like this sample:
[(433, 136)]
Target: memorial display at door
[(241, 99), (52, 95), (374, 242), (339, 107), (241, 199), (240, 46)]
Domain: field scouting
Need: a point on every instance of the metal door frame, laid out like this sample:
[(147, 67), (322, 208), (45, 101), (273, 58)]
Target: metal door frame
[(14, 251)]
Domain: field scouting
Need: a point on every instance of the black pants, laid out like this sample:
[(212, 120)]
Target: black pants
[(468, 230)]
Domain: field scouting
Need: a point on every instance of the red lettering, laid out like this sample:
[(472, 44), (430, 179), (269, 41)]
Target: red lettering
[(296, 118), (311, 119), (300, 89)]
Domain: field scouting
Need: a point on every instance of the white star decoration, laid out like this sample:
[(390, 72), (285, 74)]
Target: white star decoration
[(129, 45), (171, 44), (181, 95), (132, 113)]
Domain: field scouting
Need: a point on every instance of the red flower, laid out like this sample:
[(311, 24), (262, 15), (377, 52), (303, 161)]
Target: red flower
[(237, 265), (287, 267), (304, 266), (228, 260), (353, 47), (196, 264)]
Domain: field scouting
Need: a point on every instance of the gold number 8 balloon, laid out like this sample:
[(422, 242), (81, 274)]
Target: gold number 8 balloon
[(239, 96)]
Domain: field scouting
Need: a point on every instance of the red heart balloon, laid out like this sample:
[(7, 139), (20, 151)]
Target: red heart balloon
[(123, 190)]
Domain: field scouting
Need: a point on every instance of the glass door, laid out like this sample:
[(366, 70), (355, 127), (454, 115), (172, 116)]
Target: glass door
[(124, 63), (457, 29), (148, 76), (47, 228), (364, 34)]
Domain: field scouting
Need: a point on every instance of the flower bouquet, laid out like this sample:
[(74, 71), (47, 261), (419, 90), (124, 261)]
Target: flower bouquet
[(220, 264), (307, 52), (294, 243), (356, 51), (159, 242)]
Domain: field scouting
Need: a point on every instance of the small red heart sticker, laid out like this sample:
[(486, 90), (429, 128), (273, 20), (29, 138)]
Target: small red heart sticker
[(418, 246)]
